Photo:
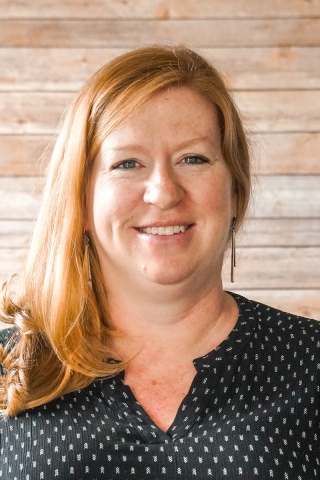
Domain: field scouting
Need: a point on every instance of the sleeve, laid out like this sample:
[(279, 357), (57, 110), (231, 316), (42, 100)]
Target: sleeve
[(5, 335)]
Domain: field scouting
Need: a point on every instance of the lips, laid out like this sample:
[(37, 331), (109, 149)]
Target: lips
[(166, 231)]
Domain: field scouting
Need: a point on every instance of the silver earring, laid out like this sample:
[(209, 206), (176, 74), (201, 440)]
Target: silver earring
[(86, 258), (233, 248)]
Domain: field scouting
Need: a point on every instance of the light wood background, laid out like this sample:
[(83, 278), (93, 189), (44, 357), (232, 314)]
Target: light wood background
[(269, 52)]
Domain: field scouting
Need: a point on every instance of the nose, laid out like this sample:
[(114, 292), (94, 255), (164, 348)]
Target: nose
[(163, 189)]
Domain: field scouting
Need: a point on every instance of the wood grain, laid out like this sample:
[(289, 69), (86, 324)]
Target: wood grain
[(158, 9), (19, 197), (32, 113), (286, 153), (280, 232), (11, 261), (24, 154), (264, 32), (287, 196), (15, 234), (51, 69), (262, 111), (66, 69), (277, 68), (272, 153), (283, 111)]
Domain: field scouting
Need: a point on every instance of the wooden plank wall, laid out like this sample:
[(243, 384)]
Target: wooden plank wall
[(269, 52)]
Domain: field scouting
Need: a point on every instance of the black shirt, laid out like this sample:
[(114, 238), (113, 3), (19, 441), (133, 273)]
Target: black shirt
[(252, 412)]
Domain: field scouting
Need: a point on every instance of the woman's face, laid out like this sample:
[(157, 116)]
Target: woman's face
[(161, 201)]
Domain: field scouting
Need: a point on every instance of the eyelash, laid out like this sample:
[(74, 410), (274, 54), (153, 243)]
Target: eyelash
[(197, 157), (133, 163), (125, 162)]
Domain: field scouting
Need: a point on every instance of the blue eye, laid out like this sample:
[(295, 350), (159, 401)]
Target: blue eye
[(127, 164), (193, 160)]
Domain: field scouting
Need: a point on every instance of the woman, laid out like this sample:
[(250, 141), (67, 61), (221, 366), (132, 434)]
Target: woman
[(128, 360)]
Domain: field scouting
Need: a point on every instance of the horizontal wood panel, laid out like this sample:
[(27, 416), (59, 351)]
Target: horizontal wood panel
[(66, 69), (127, 33), (285, 153), (275, 196), (158, 9), (281, 232), (263, 111), (57, 69), (276, 267), (267, 68), (24, 154), (14, 234), (34, 113), (272, 153), (19, 197), (283, 111), (265, 268), (287, 196), (256, 232), (11, 261), (305, 303)]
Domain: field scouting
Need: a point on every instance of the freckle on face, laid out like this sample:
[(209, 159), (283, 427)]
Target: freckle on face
[(118, 204)]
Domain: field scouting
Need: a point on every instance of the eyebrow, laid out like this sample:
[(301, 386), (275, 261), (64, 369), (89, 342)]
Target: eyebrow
[(187, 143)]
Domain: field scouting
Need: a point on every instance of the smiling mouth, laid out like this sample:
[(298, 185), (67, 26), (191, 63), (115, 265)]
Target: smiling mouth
[(170, 230)]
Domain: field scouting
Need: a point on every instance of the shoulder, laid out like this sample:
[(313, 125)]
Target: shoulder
[(279, 322), (6, 334), (273, 316)]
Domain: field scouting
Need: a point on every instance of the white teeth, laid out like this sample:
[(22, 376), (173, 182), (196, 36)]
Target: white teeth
[(171, 230)]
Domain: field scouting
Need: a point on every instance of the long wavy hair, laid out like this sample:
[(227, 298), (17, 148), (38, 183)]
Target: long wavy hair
[(62, 335)]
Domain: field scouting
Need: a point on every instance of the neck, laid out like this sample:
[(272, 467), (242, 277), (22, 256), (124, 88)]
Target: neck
[(170, 323)]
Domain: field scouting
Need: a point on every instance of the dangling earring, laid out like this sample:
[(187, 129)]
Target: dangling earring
[(233, 248), (86, 258)]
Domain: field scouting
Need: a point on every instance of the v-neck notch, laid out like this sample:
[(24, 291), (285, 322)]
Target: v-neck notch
[(202, 387)]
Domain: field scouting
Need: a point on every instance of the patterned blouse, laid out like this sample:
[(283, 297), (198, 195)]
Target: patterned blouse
[(252, 412)]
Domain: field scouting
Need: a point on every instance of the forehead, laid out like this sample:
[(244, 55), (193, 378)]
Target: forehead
[(177, 113)]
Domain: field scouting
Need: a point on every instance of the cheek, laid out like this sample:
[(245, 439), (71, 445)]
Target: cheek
[(218, 197), (112, 204)]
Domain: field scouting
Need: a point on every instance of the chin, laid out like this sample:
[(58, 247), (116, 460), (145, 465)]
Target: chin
[(168, 277)]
